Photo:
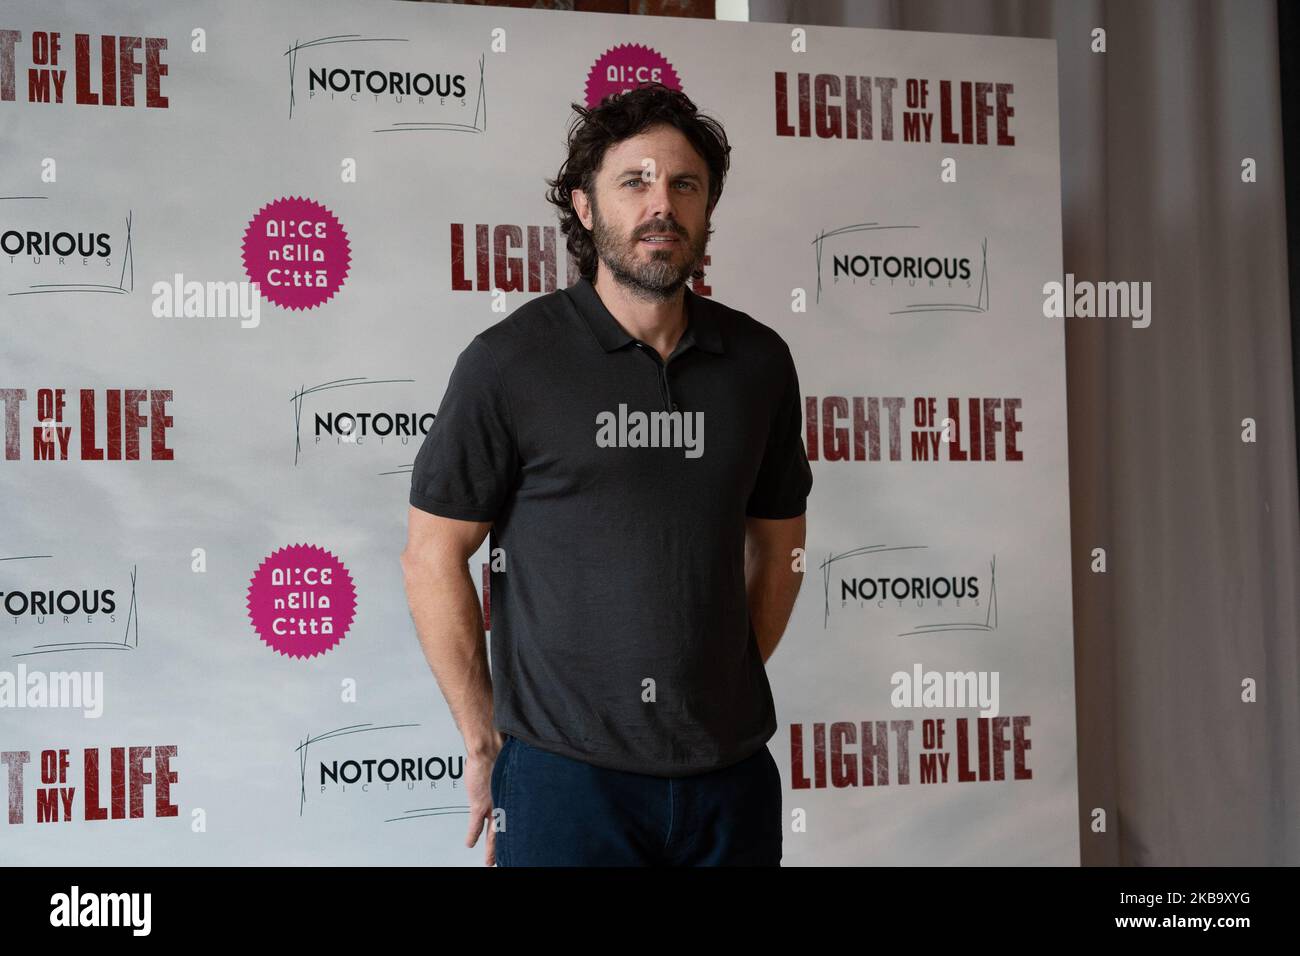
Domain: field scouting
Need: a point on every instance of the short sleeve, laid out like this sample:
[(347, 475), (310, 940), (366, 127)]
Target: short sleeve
[(784, 477), (467, 466)]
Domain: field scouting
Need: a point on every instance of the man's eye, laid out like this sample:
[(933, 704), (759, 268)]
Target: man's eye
[(687, 184)]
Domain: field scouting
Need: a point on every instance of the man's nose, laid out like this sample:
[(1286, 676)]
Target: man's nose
[(660, 201)]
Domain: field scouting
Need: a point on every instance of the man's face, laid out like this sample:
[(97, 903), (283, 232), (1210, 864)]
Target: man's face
[(654, 184)]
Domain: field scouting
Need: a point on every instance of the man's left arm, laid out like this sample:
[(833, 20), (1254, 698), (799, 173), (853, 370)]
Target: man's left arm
[(771, 581)]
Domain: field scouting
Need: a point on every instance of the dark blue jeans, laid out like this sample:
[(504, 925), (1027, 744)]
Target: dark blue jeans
[(564, 812)]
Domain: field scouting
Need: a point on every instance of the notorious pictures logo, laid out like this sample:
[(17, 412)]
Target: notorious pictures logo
[(104, 69), (353, 425), (383, 763), (58, 246), (40, 606), (41, 241), (397, 85), (301, 601), (355, 84), (49, 610), (909, 588), (900, 269)]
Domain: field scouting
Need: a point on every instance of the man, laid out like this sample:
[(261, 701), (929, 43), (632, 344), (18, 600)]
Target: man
[(635, 451)]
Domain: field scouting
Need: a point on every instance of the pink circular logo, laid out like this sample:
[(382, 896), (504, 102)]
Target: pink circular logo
[(625, 67), (301, 600), (297, 252)]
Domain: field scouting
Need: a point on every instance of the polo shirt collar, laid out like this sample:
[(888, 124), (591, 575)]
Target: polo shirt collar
[(701, 327)]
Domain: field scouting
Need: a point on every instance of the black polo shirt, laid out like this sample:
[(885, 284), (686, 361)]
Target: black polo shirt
[(620, 628)]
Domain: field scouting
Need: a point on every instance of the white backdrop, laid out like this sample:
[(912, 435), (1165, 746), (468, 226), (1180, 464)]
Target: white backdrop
[(177, 540)]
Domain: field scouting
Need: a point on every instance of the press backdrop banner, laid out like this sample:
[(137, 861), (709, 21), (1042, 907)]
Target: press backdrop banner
[(208, 656)]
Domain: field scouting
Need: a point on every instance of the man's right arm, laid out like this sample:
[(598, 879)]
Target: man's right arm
[(449, 622)]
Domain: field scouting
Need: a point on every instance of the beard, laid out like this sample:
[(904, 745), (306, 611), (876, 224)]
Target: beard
[(649, 273)]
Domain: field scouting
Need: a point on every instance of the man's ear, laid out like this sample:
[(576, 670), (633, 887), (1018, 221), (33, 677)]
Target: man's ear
[(581, 207)]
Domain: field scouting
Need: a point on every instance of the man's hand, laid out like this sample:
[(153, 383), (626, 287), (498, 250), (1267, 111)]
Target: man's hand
[(478, 783)]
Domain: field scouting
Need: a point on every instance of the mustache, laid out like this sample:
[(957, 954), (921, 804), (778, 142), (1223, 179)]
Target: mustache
[(655, 231)]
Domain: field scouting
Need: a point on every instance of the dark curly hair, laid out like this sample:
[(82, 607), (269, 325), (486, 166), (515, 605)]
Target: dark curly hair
[(621, 116)]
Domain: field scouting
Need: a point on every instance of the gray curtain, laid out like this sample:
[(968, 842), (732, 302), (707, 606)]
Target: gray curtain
[(1200, 529)]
